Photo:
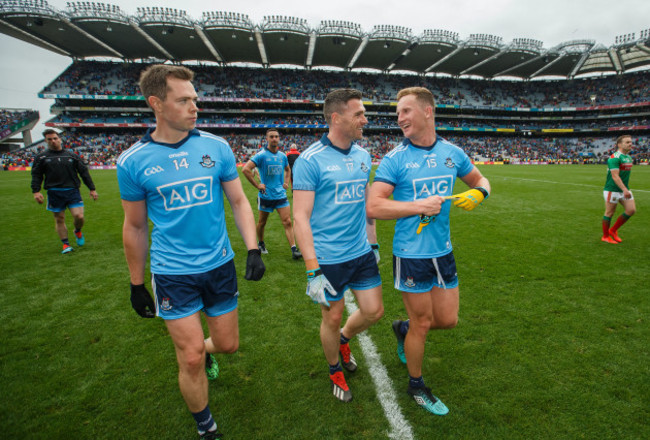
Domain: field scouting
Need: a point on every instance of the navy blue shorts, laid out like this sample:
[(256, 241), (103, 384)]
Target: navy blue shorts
[(418, 275), (215, 292), (269, 205), (359, 273), (60, 199)]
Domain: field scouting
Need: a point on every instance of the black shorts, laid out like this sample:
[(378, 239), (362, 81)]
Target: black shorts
[(360, 273), (268, 205), (178, 296), (60, 199), (418, 275)]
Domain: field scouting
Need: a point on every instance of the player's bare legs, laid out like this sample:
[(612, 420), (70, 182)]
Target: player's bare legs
[(285, 217), (437, 309), (330, 336), (610, 234), (371, 309), (261, 224), (224, 333), (610, 209), (330, 329), (630, 207), (78, 217), (59, 225), (187, 335)]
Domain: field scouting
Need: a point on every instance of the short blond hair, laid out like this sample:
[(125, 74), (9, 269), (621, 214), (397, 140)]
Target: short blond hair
[(423, 95)]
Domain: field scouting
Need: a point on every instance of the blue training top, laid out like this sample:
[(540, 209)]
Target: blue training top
[(181, 184), (271, 167), (417, 173), (338, 178)]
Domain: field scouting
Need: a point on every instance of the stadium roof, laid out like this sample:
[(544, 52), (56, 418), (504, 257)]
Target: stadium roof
[(91, 29)]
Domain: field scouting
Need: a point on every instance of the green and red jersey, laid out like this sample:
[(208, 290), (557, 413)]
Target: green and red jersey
[(623, 163)]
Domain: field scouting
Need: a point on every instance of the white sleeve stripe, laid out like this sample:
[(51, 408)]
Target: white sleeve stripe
[(396, 150), (357, 147), (212, 136), (133, 149), (314, 149)]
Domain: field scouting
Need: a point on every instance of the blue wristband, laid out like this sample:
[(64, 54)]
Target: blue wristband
[(314, 273)]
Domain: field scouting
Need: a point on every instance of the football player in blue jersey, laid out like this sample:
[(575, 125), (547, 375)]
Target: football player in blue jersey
[(176, 177), (338, 241), (275, 175), (419, 173)]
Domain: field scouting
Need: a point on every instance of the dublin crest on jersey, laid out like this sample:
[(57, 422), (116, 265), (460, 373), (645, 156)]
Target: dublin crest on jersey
[(449, 163), (364, 168), (207, 161)]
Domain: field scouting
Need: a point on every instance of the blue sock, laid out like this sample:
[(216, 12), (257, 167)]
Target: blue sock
[(65, 241), (344, 340), (416, 382), (204, 420), (336, 367), (404, 327)]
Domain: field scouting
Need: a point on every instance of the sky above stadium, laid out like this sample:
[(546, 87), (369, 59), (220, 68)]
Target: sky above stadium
[(26, 69)]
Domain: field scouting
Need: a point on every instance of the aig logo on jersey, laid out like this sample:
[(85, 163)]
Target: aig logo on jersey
[(351, 191), (432, 186), (187, 193), (274, 170)]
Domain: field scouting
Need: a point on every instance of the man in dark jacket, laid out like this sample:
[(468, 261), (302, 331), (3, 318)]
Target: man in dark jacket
[(292, 155), (61, 170)]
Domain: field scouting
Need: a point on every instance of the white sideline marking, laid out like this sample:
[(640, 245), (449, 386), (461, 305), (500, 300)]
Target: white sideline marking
[(400, 428), (564, 183)]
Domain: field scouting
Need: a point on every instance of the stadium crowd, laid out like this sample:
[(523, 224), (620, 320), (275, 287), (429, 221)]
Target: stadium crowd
[(387, 121), (472, 95), (9, 117), (98, 78), (103, 149)]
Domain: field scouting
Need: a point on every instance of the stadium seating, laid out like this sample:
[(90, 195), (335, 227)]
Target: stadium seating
[(94, 78), (549, 121), (12, 120)]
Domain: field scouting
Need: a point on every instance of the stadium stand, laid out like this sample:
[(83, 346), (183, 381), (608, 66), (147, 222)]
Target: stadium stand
[(10, 117), (102, 150), (120, 79), (491, 119), (537, 117), (16, 122)]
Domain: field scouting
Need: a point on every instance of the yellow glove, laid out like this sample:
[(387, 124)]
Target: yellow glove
[(470, 199)]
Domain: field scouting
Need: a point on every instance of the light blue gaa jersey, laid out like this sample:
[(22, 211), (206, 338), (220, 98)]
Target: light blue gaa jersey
[(271, 167), (417, 173), (181, 184), (338, 178)]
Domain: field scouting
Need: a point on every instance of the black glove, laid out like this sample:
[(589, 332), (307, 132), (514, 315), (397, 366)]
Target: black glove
[(141, 301), (254, 265)]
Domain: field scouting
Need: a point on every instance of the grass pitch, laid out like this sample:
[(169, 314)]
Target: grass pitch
[(552, 340)]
